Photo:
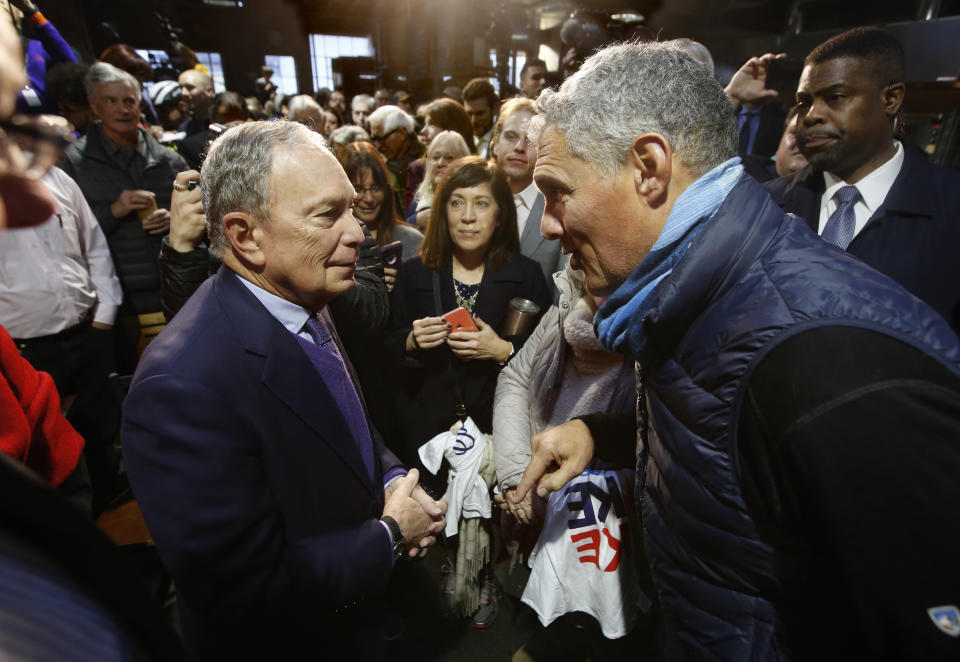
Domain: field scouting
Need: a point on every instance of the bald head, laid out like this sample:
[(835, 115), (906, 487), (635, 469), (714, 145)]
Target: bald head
[(197, 88)]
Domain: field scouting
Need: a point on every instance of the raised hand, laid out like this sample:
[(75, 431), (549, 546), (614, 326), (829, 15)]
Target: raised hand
[(187, 220), (559, 454), (749, 83)]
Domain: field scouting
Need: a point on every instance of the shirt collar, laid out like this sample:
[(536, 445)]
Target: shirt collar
[(875, 186), (113, 148), (289, 314), (526, 197)]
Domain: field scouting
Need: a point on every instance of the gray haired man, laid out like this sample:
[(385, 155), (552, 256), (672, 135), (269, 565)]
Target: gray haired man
[(273, 502), (394, 133), (798, 412), (127, 178)]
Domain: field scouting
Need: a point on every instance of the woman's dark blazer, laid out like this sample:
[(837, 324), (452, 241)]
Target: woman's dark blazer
[(426, 393)]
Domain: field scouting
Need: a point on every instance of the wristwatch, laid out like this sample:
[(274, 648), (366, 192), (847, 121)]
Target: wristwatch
[(396, 535)]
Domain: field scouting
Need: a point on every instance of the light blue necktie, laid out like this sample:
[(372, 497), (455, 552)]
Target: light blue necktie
[(841, 224)]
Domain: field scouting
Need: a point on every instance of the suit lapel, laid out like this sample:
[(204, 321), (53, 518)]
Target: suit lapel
[(288, 372), (802, 196), (531, 239)]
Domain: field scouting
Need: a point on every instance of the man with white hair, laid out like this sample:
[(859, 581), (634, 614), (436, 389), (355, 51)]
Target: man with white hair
[(798, 412), (272, 500), (393, 132), (304, 109), (126, 177), (360, 108)]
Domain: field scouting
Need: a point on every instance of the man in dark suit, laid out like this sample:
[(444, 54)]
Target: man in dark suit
[(266, 489), (516, 156), (901, 217)]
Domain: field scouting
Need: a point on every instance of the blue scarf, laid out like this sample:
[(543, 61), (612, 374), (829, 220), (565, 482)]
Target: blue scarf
[(618, 323)]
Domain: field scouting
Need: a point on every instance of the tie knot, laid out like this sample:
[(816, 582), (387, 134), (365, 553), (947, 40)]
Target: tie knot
[(317, 330), (847, 194)]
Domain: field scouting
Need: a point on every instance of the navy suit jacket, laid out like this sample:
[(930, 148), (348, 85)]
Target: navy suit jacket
[(913, 237), (252, 486), (426, 403)]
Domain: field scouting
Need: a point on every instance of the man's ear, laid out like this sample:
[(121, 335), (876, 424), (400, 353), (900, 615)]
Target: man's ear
[(892, 98), (244, 234), (652, 159)]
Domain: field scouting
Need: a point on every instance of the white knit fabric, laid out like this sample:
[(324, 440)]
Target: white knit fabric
[(467, 494)]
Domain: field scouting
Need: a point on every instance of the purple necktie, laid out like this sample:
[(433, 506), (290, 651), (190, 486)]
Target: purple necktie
[(841, 224), (340, 384), (321, 336)]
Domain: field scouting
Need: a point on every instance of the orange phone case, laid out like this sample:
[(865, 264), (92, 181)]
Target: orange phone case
[(460, 319)]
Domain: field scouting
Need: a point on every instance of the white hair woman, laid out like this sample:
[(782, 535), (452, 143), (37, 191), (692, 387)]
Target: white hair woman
[(445, 148)]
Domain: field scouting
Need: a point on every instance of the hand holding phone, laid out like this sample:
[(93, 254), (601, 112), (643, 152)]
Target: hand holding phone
[(390, 254)]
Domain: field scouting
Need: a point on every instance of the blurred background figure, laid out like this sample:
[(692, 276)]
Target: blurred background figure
[(482, 105), (438, 115), (196, 87), (392, 132), (126, 177), (367, 172), (382, 97), (44, 48), (345, 135), (65, 83), (533, 78), (263, 85), (305, 110), (445, 148), (360, 108), (125, 58)]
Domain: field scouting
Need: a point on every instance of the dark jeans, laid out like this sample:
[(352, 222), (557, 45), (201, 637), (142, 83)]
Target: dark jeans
[(80, 360)]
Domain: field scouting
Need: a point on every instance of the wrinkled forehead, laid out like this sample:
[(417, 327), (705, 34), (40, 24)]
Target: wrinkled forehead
[(311, 161), (116, 89)]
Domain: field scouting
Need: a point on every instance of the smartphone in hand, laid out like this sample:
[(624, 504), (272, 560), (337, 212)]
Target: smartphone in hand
[(460, 320), (390, 254)]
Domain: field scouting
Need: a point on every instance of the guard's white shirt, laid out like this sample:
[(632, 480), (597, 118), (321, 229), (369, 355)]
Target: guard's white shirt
[(873, 191)]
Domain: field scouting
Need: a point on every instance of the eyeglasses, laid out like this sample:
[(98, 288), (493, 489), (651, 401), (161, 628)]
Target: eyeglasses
[(383, 138), (374, 190), (31, 145)]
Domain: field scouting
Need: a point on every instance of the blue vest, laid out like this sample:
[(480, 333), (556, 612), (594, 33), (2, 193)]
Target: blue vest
[(751, 279)]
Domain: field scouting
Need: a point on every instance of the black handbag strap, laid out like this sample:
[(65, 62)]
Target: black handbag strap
[(456, 376)]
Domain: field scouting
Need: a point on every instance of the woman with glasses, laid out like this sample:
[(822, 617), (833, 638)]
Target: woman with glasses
[(469, 259), (373, 204), (445, 148)]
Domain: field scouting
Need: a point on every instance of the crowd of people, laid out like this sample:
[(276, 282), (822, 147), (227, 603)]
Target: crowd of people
[(686, 356)]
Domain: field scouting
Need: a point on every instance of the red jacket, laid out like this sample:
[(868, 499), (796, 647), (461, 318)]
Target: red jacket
[(32, 429)]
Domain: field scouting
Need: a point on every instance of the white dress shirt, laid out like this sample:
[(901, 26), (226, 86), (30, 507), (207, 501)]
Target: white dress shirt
[(483, 142), (53, 274), (873, 191), (524, 201)]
